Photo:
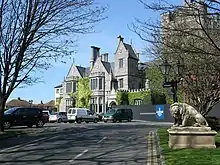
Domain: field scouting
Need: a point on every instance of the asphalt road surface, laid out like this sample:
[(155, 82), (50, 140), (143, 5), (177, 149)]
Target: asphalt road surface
[(81, 144)]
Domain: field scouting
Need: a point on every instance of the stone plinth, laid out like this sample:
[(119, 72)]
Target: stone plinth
[(191, 137)]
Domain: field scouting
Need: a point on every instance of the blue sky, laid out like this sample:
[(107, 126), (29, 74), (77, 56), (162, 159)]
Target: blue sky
[(121, 13)]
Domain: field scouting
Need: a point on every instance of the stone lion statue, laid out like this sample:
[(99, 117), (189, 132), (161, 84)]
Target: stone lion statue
[(186, 115)]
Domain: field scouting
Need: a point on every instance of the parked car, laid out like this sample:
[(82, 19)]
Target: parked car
[(56, 116), (81, 115), (100, 116), (19, 116), (46, 115), (62, 116), (118, 114)]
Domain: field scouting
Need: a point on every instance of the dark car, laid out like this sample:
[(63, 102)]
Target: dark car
[(118, 114), (19, 116), (46, 116)]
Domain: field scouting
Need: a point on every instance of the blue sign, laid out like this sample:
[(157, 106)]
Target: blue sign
[(159, 112)]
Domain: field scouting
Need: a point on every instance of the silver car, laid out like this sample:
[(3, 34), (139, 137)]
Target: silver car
[(62, 117)]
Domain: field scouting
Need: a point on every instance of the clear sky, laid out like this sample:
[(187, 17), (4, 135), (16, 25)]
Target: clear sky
[(120, 14)]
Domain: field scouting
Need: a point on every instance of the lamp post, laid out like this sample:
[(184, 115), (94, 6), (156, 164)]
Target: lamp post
[(178, 70)]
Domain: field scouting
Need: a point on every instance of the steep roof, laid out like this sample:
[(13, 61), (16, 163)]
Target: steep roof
[(131, 51), (107, 66), (58, 86), (87, 71), (84, 71), (112, 66)]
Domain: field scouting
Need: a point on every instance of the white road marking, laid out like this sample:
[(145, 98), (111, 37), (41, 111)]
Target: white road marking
[(101, 140), (77, 156), (148, 113), (129, 138)]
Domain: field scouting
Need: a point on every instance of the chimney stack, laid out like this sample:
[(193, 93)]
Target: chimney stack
[(95, 54), (105, 57)]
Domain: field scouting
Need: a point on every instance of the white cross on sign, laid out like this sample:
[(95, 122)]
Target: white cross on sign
[(159, 112)]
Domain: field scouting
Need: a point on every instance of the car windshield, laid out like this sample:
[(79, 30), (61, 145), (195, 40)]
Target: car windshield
[(10, 111), (71, 111), (53, 113), (111, 111)]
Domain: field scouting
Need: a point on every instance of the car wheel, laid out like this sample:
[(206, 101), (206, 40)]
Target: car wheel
[(129, 120), (7, 124), (87, 122), (65, 121), (30, 125), (95, 120), (59, 120), (40, 124), (114, 120), (105, 121), (78, 121)]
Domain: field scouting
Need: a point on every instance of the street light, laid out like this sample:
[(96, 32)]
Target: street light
[(178, 70)]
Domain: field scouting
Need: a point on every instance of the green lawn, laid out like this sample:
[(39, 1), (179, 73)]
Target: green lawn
[(189, 156)]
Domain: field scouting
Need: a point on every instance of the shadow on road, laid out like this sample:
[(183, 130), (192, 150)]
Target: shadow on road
[(60, 147)]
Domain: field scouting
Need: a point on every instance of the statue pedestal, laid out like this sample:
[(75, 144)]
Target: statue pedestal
[(191, 137)]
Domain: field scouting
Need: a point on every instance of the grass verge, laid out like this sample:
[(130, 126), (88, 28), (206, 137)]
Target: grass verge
[(188, 156), (10, 134)]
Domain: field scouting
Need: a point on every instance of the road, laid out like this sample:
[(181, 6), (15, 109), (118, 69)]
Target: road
[(86, 144)]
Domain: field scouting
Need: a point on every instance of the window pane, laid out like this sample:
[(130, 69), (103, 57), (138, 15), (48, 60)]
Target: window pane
[(74, 86), (100, 83), (120, 83), (121, 63), (69, 87)]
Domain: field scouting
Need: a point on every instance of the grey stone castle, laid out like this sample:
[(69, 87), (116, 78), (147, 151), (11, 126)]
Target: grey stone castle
[(106, 78)]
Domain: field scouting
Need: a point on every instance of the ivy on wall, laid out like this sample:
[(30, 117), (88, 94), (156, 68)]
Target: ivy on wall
[(143, 95), (58, 103), (147, 97), (84, 93), (130, 97), (122, 97)]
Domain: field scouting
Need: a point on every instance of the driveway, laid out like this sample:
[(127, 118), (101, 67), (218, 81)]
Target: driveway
[(86, 144)]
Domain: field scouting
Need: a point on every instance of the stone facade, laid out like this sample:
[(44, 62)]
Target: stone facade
[(125, 73)]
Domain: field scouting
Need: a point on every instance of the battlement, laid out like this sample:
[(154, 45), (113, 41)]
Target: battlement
[(133, 90)]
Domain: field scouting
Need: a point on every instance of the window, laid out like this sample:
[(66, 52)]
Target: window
[(137, 102), (21, 111), (69, 87), (93, 84), (74, 86), (100, 83), (57, 90), (61, 90), (33, 111), (121, 83), (121, 63)]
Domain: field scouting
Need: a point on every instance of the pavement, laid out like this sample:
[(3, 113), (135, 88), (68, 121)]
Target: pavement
[(86, 144)]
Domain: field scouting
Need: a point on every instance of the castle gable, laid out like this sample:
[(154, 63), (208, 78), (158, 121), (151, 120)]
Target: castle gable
[(73, 72), (99, 67)]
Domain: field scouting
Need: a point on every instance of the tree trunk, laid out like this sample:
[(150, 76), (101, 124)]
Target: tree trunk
[(2, 108)]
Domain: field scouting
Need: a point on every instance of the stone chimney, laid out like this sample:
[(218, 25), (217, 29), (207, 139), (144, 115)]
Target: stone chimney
[(105, 57), (95, 54), (120, 39)]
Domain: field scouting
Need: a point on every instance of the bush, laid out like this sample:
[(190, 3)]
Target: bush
[(213, 122)]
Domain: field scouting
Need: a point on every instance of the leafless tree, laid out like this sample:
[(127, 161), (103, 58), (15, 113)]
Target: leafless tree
[(35, 33), (189, 33)]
